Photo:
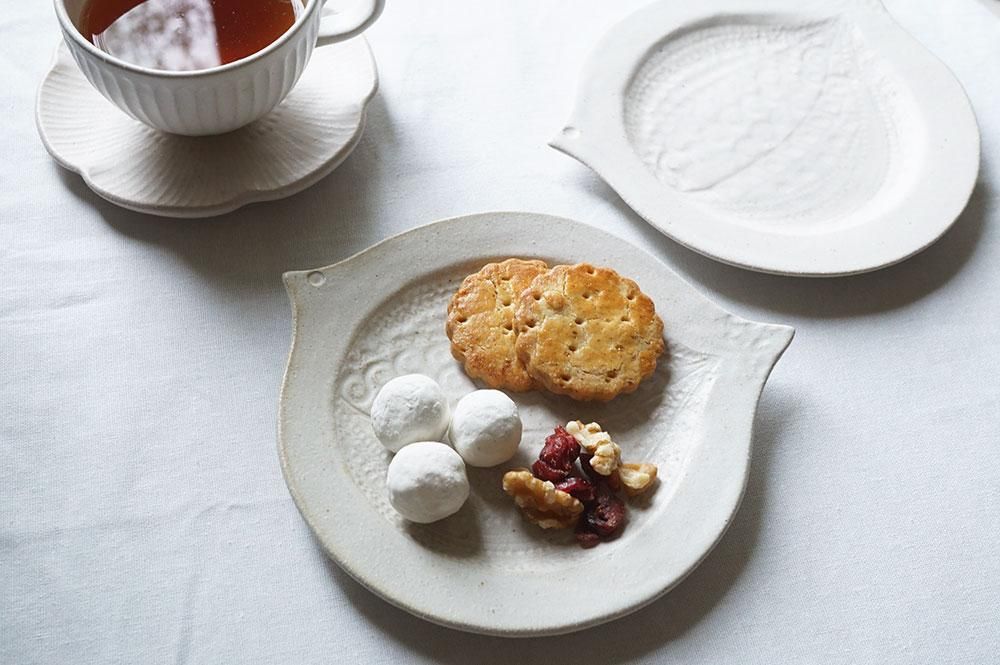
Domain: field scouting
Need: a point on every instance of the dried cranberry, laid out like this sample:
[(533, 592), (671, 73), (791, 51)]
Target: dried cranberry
[(606, 514), (543, 471), (579, 488), (585, 537), (555, 462), (560, 450)]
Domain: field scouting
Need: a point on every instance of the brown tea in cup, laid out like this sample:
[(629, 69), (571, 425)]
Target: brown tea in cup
[(185, 35)]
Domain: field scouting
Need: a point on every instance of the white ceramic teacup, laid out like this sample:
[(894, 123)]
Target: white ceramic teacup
[(223, 98)]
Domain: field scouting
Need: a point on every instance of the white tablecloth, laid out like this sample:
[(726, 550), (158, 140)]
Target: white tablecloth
[(143, 518)]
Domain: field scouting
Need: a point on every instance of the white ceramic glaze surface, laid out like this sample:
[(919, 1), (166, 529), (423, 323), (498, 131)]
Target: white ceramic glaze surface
[(220, 99), (381, 314), (992, 5), (140, 168), (808, 138)]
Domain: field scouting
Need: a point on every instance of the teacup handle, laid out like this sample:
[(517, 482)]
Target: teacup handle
[(348, 19)]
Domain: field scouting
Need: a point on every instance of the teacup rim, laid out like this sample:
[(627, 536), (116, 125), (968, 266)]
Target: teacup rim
[(69, 28)]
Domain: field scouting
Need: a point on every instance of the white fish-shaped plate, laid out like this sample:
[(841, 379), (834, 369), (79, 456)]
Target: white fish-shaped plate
[(381, 314), (800, 137)]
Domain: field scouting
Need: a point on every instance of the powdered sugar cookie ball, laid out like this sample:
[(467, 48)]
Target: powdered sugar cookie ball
[(409, 408), (486, 428), (427, 482)]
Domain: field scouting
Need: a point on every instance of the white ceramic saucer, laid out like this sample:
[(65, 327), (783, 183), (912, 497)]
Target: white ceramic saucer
[(381, 314), (802, 137), (311, 132)]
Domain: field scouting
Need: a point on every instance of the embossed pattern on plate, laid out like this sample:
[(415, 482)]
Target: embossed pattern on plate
[(382, 313), (772, 123)]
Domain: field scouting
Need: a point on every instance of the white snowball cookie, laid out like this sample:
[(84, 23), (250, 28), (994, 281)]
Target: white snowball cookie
[(485, 428), (427, 482), (409, 408)]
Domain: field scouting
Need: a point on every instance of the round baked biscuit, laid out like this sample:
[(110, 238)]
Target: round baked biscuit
[(481, 323), (587, 332)]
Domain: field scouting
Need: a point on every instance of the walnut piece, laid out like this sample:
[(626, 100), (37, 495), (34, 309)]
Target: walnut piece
[(606, 455), (637, 478), (540, 501)]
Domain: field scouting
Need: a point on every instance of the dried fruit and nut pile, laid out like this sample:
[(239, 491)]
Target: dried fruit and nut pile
[(557, 493)]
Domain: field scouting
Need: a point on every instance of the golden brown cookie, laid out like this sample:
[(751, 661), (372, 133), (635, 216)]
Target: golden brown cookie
[(481, 323), (587, 332)]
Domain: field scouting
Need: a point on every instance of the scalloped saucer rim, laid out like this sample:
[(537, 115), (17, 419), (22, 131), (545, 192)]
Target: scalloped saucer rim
[(337, 154)]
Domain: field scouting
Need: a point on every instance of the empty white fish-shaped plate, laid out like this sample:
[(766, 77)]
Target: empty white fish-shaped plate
[(485, 569), (800, 137)]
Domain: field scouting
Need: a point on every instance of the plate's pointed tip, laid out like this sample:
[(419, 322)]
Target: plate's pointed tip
[(781, 336), (300, 283), (296, 282), (566, 139), (788, 332)]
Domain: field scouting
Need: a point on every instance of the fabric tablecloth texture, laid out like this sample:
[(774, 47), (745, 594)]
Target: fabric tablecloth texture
[(143, 517)]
